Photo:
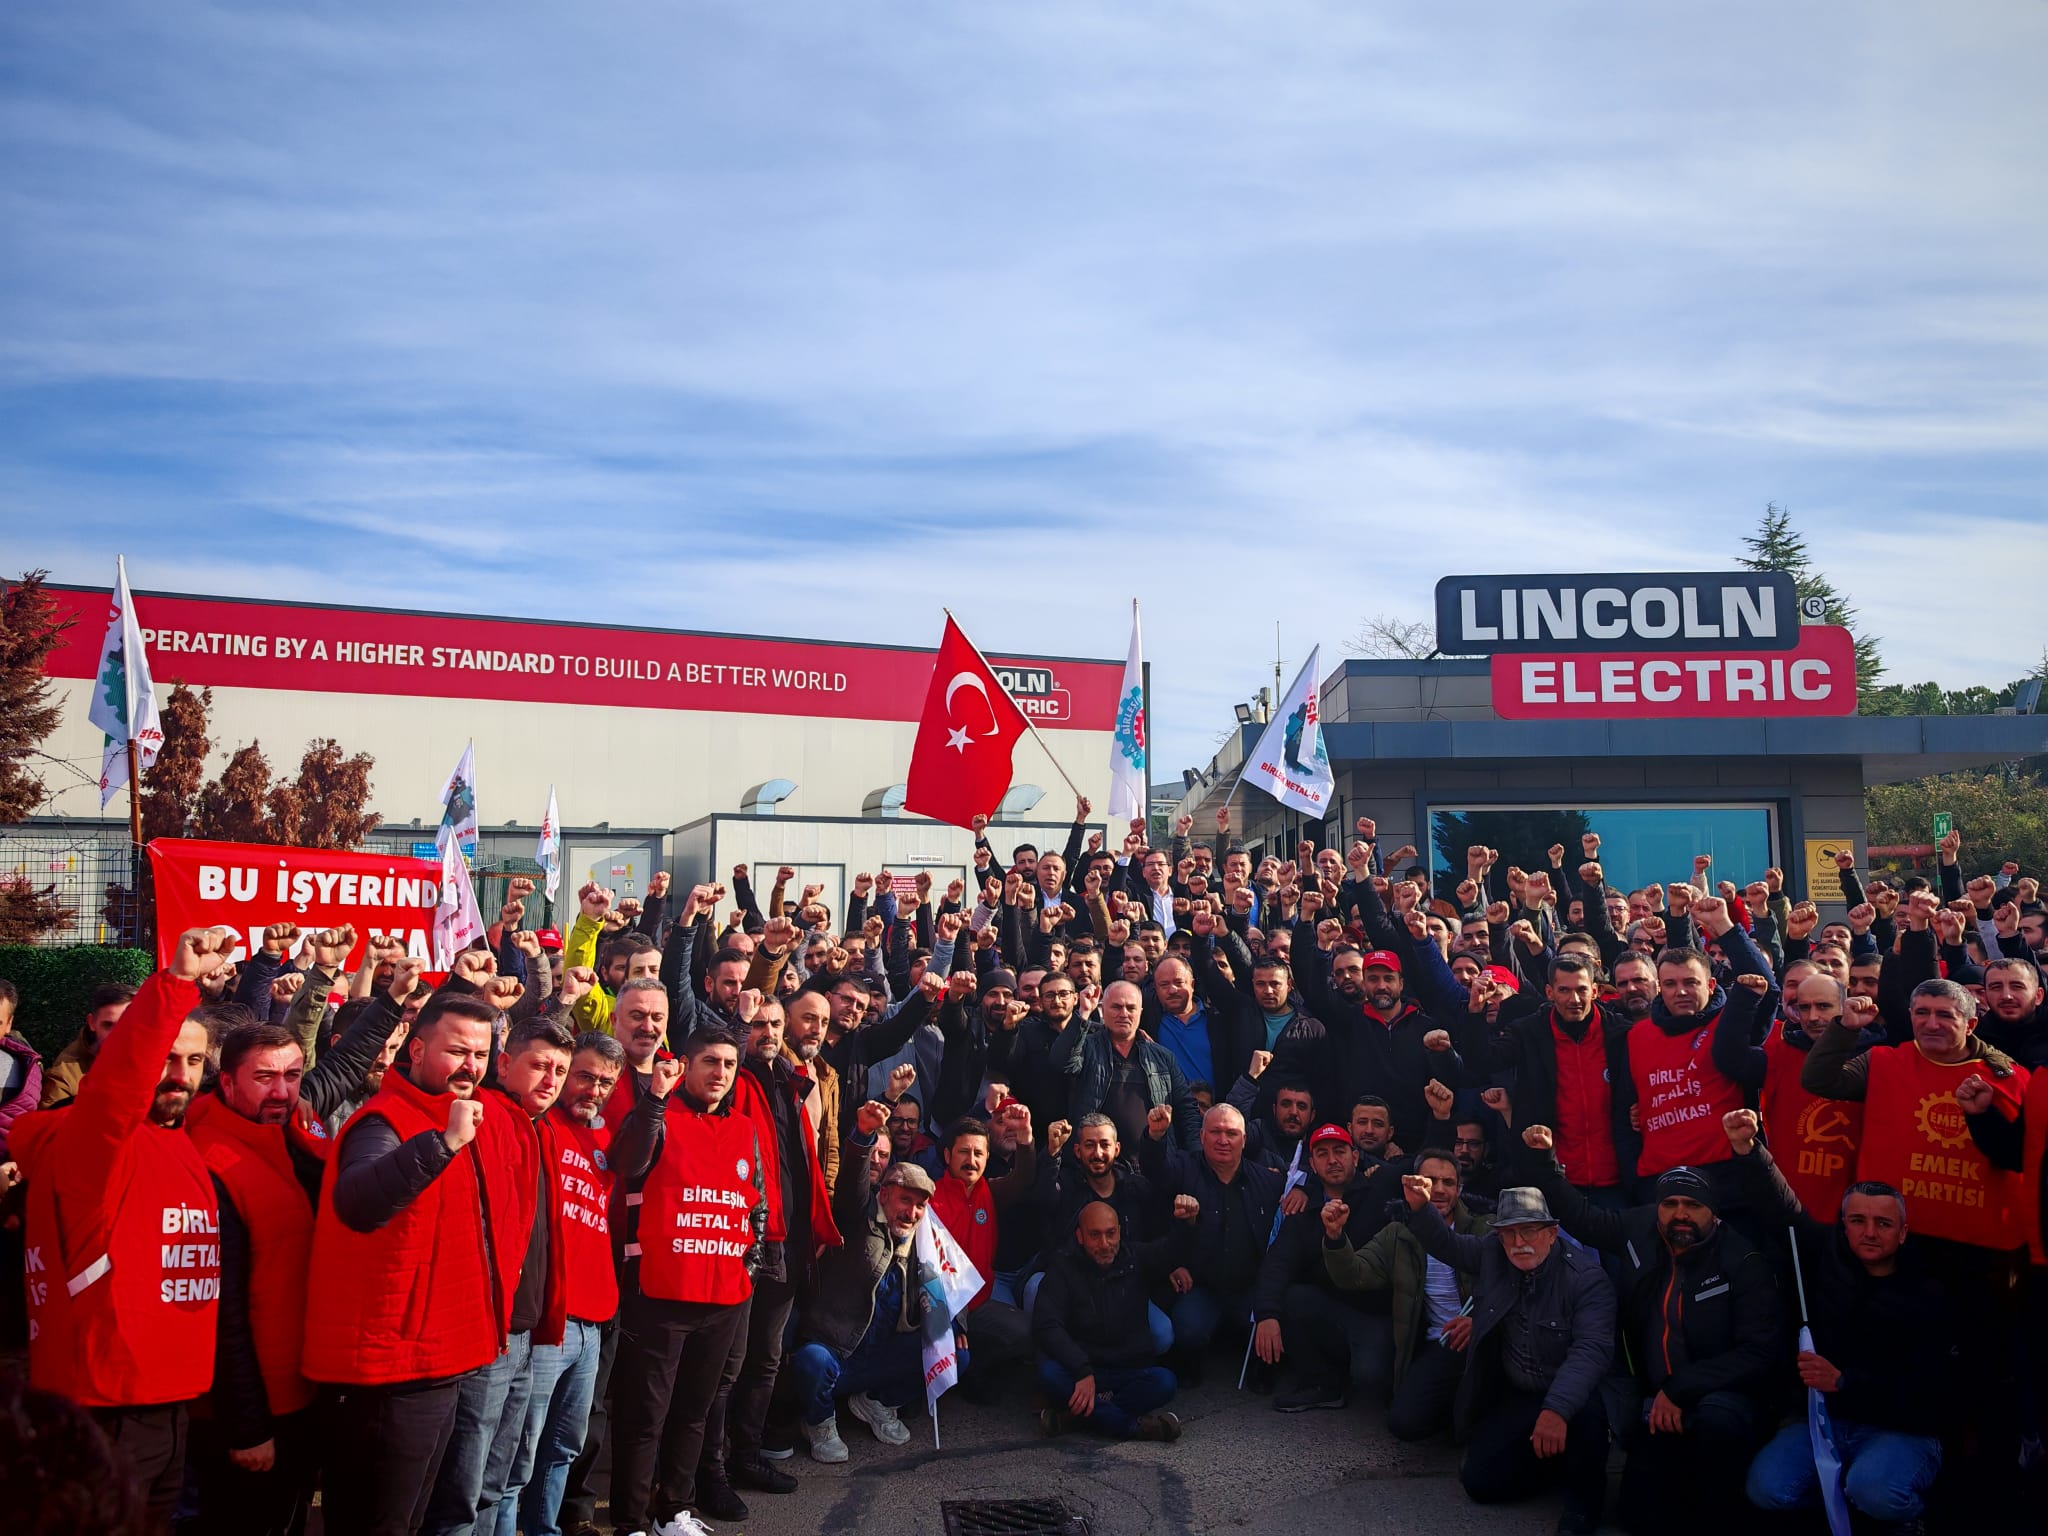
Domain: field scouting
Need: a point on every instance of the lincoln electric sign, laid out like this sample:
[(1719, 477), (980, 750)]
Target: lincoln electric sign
[(1648, 645)]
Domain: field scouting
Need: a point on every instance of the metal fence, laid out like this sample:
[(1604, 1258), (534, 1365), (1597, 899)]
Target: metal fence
[(79, 868)]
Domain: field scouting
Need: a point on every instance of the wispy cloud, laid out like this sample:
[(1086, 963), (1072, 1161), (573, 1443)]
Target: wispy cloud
[(810, 319)]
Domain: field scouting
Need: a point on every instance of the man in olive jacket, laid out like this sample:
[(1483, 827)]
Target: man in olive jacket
[(1432, 1322)]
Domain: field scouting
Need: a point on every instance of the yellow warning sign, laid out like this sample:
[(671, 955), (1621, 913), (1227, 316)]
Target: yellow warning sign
[(1823, 880)]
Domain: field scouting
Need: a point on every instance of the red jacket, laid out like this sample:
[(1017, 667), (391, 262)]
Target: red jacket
[(123, 1233), (254, 1165), (427, 1294)]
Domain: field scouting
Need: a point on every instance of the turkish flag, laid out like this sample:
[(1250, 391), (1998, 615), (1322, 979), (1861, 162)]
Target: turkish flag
[(960, 766)]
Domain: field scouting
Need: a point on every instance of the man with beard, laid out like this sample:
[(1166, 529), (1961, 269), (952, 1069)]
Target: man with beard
[(1203, 1042), (2012, 1020), (256, 1457), (565, 1375), (1430, 1324), (785, 1261), (1634, 977), (639, 1021), (1542, 1333), (700, 1168), (429, 1185), (972, 1205), (1260, 1009), (1706, 1333), (1815, 1137), (1272, 1139), (1564, 1061), (806, 1017), (1033, 1078), (1883, 1351), (1379, 1036), (1673, 1084), (490, 1412), (1325, 1341), (1092, 1170), (122, 1233)]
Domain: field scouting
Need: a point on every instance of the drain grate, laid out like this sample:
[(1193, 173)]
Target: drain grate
[(1010, 1517)]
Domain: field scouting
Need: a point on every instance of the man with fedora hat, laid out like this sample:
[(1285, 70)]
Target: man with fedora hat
[(1706, 1331), (1541, 1336)]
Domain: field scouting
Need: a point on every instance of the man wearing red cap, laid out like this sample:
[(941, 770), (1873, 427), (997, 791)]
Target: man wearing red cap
[(1381, 1037)]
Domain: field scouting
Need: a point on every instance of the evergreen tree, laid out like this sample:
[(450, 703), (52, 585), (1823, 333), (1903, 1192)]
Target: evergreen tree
[(1777, 546)]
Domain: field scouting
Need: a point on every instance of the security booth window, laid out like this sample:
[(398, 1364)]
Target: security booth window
[(1639, 845)]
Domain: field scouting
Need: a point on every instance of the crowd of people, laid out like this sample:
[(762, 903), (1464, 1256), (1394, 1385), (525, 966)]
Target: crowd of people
[(1551, 1170)]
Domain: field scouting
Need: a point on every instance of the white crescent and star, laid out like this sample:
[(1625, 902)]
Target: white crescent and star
[(958, 737)]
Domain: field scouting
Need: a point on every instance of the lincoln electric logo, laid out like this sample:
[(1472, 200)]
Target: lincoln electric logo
[(1037, 692)]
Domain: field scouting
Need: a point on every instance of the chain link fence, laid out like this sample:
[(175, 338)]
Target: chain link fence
[(78, 868)]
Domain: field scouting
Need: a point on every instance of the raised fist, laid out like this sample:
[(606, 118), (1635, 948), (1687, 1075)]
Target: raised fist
[(1592, 874), (668, 1071), (1523, 932), (1186, 1208), (200, 953), (576, 984), (1951, 844), (501, 992), (960, 986), (1802, 920), (1498, 912), (1974, 1095), (594, 900), (902, 1079), (1774, 880), (747, 1004), (1536, 1138), (519, 888), (1437, 1040), (629, 909), (1496, 1099), (1711, 913), (1757, 984), (1679, 898), (464, 1117), (510, 913), (1259, 1062), (1439, 1098), (1741, 1126), (1158, 1121), (1861, 916), (279, 938), (657, 884), (405, 979), (871, 1117), (475, 966), (1056, 1136), (1335, 1214), (1859, 1012), (1415, 1189), (286, 987), (331, 947), (527, 942), (1845, 859), (931, 985)]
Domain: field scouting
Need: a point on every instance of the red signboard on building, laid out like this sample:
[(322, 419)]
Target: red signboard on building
[(1817, 677), (228, 643)]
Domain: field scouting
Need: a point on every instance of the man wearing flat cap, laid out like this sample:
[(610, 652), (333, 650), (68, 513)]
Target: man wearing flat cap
[(1540, 1339), (859, 1331), (1706, 1331)]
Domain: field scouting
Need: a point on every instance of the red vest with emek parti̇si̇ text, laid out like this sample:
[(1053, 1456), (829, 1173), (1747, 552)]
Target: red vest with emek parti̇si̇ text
[(1916, 1138)]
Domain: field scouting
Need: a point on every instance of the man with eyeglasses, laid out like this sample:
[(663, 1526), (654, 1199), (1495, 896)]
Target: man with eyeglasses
[(908, 1142), (1040, 1085)]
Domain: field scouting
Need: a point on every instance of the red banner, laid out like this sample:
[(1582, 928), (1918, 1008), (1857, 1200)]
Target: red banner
[(1818, 677), (245, 887), (234, 643)]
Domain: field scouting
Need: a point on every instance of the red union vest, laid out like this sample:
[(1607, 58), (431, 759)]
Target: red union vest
[(1813, 1140), (253, 1164), (1681, 1096), (122, 1238), (971, 1217), (1917, 1139), (694, 1230), (585, 1183), (418, 1298), (2036, 1149), (1585, 1106)]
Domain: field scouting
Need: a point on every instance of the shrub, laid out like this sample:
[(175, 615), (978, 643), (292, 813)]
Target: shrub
[(55, 981)]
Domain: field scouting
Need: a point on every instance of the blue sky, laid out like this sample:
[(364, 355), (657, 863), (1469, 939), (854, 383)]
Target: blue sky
[(809, 319)]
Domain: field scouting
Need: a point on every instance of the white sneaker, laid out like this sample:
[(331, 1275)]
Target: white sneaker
[(826, 1446), (684, 1524), (880, 1418)]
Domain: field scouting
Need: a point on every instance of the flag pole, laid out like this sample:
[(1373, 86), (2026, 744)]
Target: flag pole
[(134, 794), (1021, 713)]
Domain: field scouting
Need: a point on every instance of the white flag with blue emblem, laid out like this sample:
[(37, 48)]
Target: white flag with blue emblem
[(1290, 762), (123, 697), (549, 854), (949, 1281), (1129, 751)]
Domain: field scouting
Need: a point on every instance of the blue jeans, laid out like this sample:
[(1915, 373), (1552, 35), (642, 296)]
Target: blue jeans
[(1162, 1325), (1886, 1474), (1121, 1397), (890, 1370), (557, 1411), (479, 1456), (1197, 1315)]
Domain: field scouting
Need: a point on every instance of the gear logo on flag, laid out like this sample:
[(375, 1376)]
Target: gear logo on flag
[(741, 1168), (1130, 727)]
